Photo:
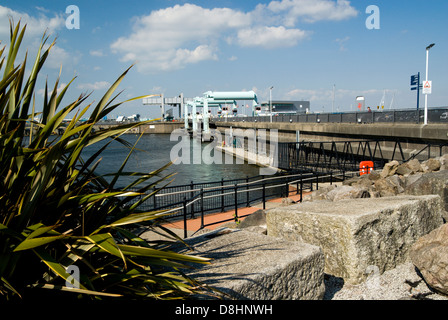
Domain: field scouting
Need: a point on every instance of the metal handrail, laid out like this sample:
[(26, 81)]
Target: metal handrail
[(201, 196)]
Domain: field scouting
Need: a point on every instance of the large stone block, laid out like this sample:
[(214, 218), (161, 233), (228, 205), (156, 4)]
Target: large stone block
[(355, 234), (250, 266)]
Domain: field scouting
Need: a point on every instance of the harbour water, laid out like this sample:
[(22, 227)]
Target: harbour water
[(153, 152)]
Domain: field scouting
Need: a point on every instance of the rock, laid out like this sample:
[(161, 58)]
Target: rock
[(431, 183), (320, 194), (403, 170), (347, 192), (443, 162), (431, 165), (364, 182), (430, 255), (287, 202), (414, 165), (256, 219), (351, 181), (389, 169), (410, 179), (358, 233), (385, 188), (397, 182), (374, 175), (250, 266)]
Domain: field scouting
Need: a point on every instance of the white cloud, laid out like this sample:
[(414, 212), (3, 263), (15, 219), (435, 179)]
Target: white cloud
[(270, 37), (96, 53), (342, 42), (58, 57), (178, 36), (172, 38), (41, 92), (313, 10), (36, 26), (99, 85)]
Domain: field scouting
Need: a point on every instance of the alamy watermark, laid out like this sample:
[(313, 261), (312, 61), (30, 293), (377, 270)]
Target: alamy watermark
[(373, 21), (73, 21), (73, 279), (237, 146)]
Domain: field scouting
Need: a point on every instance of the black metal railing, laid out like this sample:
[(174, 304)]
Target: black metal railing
[(435, 115), (198, 200)]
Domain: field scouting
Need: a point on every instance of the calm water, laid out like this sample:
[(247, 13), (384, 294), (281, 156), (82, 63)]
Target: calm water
[(154, 152)]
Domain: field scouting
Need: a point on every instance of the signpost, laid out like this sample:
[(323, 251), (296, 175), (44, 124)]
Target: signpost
[(415, 85)]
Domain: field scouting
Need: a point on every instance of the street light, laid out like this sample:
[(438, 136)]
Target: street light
[(427, 68), (270, 102)]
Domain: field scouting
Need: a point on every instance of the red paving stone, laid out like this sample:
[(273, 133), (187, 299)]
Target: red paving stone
[(213, 221)]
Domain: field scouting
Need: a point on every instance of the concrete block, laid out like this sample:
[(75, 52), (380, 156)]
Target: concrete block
[(355, 234), (250, 266)]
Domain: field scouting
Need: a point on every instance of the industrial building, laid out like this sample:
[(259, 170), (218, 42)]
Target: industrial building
[(282, 108)]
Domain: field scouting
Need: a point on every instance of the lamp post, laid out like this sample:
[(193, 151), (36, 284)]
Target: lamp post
[(270, 102), (427, 69)]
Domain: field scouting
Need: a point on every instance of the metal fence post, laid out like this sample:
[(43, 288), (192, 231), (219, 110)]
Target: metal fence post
[(264, 195), (191, 197), (185, 218), (202, 208), (222, 197), (154, 200), (236, 202), (247, 191)]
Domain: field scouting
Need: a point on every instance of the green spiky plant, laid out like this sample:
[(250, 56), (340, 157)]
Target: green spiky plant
[(55, 212)]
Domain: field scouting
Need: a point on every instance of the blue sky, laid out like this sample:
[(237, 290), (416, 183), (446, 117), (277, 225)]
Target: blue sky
[(301, 47)]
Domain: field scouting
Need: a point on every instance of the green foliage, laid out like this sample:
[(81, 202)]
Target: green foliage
[(56, 212)]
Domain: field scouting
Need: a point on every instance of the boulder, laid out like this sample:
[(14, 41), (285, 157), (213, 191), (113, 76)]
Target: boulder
[(287, 202), (443, 162), (414, 165), (403, 170), (431, 165), (347, 192), (430, 255), (386, 188), (357, 233), (374, 175), (397, 181), (389, 169), (430, 183), (256, 219)]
